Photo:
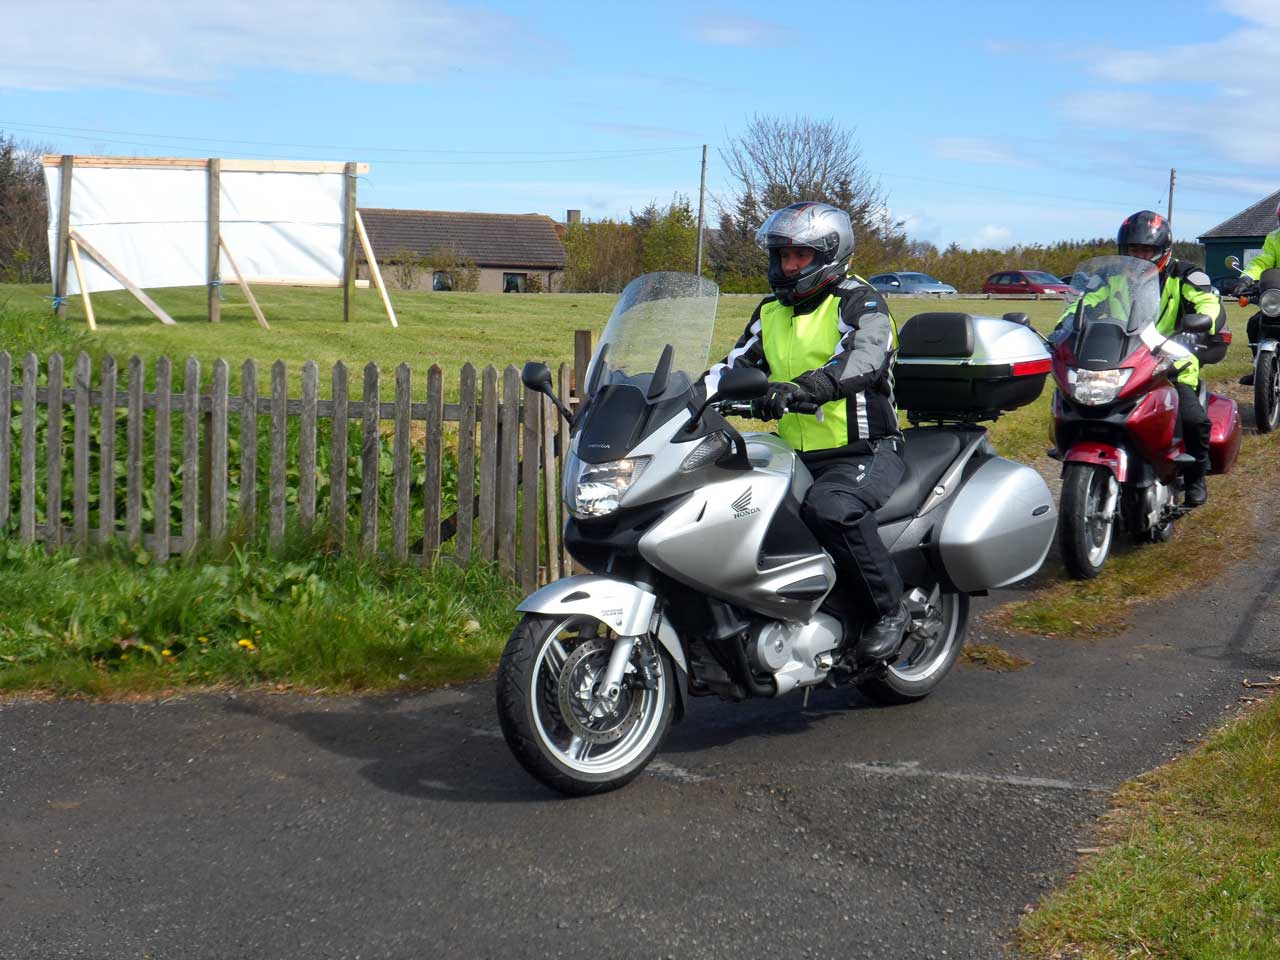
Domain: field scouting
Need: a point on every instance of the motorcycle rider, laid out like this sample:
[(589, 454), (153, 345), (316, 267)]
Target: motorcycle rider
[(1184, 289), (826, 336), (1268, 258)]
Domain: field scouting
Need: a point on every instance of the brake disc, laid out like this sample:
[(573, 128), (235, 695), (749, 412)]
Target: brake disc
[(594, 719)]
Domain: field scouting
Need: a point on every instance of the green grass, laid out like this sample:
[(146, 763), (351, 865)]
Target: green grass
[(1193, 867), (110, 622)]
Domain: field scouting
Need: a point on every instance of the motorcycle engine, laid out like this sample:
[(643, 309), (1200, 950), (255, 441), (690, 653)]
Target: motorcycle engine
[(793, 652)]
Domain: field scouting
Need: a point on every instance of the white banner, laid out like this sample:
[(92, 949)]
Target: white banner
[(151, 222)]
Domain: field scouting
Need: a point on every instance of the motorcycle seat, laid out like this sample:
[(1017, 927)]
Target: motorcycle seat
[(928, 453)]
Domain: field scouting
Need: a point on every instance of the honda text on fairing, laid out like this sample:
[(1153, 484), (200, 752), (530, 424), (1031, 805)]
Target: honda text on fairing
[(1115, 412), (1266, 362), (704, 579)]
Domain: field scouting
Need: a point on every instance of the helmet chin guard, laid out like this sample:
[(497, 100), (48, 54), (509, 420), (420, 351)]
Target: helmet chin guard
[(822, 228)]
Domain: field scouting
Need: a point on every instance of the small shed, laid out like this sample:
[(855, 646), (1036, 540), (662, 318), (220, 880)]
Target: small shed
[(436, 249), (1241, 236)]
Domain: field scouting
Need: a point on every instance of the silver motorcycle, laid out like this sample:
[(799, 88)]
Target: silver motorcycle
[(705, 578)]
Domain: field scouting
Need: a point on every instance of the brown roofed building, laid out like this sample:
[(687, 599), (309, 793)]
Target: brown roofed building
[(513, 252)]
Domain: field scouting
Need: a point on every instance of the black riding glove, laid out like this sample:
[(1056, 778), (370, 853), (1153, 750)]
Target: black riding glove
[(778, 398), (1246, 287)]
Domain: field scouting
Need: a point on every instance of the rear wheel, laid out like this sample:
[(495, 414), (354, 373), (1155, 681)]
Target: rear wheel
[(554, 718), (1088, 518), (929, 651), (1266, 392)]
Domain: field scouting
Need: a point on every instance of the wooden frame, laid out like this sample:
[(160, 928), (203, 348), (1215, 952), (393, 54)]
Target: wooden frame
[(124, 281)]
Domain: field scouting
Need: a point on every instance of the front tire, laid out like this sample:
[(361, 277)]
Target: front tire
[(559, 731), (1084, 533), (1266, 392), (928, 652)]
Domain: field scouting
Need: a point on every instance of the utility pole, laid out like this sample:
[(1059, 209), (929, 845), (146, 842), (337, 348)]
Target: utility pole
[(702, 196), (1173, 175)]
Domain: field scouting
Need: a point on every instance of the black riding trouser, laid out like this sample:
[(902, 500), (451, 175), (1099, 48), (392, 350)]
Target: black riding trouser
[(1195, 425), (840, 509), (1254, 331)]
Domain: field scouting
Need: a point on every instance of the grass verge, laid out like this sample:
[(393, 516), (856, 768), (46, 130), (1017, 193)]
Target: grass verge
[(988, 656), (111, 623), (1193, 870)]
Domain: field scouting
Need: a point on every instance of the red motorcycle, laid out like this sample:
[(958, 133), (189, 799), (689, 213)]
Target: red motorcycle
[(1115, 412)]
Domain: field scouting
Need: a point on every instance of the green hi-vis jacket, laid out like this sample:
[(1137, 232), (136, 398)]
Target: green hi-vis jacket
[(1186, 290), (844, 345), (1268, 258)]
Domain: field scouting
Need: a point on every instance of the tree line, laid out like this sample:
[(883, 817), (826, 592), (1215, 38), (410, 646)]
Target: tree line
[(24, 241)]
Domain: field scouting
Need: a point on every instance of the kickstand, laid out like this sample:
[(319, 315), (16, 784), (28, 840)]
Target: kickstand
[(805, 705)]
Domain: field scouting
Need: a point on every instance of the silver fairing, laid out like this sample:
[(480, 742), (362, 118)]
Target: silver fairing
[(713, 541)]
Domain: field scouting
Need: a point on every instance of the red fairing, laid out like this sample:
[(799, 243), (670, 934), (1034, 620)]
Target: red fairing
[(1143, 363), (1102, 455), (1152, 425), (1224, 433)]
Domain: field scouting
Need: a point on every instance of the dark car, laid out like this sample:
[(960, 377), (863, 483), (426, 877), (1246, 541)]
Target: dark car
[(1024, 281), (1226, 285)]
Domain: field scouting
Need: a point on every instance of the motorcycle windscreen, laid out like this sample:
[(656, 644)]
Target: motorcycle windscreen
[(652, 355), (1112, 300)]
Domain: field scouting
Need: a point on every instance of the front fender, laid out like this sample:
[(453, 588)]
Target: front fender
[(1114, 458), (618, 604)]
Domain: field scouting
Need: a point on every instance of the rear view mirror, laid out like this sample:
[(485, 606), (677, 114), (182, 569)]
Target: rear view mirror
[(1232, 262), (1018, 317), (742, 383), (536, 376)]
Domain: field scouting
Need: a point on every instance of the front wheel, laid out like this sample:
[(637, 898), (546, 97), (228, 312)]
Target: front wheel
[(556, 721), (929, 651), (1266, 391), (1088, 521)]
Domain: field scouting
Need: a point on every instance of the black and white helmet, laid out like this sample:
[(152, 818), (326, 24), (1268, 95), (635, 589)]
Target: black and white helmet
[(824, 229)]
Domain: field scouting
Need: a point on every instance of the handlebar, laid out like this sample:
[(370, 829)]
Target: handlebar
[(743, 408)]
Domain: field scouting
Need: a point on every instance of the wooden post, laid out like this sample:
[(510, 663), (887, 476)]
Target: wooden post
[(550, 489), (488, 462), (133, 455), (401, 464), (244, 286), (190, 455), (27, 493), (107, 453), (567, 565), (307, 446), (124, 281), (279, 439), (164, 443), (583, 348), (508, 469), (84, 291), (434, 466), (53, 452), (6, 412), (374, 272), (338, 456), (466, 466), (348, 238), (217, 482), (369, 452), (214, 238), (64, 232), (249, 447), (80, 452), (529, 497)]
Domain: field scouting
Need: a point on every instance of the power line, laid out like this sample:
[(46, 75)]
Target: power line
[(347, 149)]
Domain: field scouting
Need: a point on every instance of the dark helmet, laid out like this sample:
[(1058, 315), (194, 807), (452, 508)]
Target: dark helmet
[(819, 226), (1146, 229)]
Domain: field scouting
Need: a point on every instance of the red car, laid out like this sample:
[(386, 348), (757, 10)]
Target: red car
[(1024, 281)]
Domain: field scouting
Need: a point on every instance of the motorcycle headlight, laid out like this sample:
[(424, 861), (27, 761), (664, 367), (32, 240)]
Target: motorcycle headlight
[(1094, 387), (595, 489), (1269, 303)]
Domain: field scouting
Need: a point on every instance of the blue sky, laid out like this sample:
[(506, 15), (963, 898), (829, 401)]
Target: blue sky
[(986, 123)]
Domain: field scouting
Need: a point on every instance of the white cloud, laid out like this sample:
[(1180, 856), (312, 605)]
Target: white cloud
[(186, 47), (731, 30), (981, 150), (991, 235)]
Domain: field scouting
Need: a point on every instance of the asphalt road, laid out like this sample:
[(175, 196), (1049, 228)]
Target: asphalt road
[(283, 826)]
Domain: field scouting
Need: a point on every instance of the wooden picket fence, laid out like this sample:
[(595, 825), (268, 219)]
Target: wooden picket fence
[(507, 449)]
